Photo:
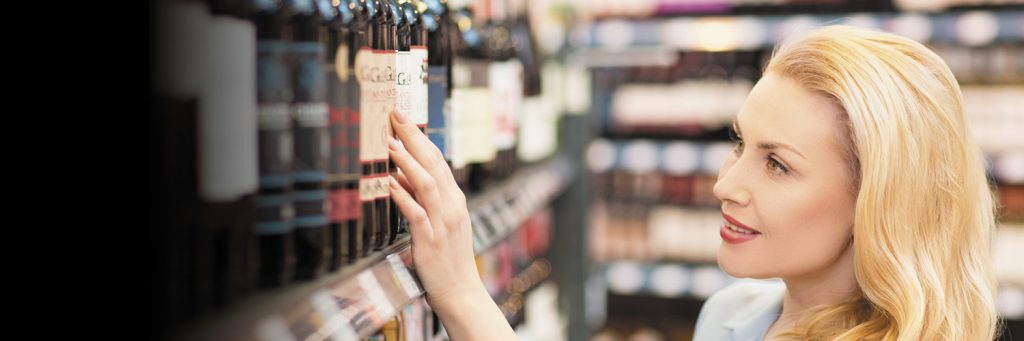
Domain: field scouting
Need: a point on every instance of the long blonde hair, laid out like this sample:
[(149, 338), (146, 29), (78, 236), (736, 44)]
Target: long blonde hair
[(924, 212)]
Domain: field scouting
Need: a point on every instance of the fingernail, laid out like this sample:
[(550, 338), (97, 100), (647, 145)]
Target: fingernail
[(393, 182), (399, 117), (393, 143)]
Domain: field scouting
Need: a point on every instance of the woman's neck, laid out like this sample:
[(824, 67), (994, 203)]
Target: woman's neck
[(833, 285)]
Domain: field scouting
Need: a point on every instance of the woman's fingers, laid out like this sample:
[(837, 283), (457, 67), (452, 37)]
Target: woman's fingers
[(424, 151), (405, 183), (424, 187), (419, 222), (427, 195), (431, 160)]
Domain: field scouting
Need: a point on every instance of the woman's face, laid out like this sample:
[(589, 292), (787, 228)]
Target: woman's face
[(787, 180)]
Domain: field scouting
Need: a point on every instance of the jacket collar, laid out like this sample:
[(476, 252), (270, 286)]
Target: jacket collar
[(752, 323)]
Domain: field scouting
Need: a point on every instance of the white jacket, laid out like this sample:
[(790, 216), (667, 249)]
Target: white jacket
[(741, 312)]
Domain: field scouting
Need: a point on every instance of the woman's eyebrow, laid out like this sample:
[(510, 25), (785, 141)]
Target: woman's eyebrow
[(768, 145), (775, 145)]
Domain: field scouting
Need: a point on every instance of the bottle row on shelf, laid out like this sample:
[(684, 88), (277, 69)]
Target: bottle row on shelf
[(644, 156), (270, 122), (684, 106), (692, 94), (625, 188), (642, 232), (607, 9), (1011, 203), (673, 280), (1008, 250), (995, 64), (665, 279), (499, 212), (994, 115), (690, 108), (415, 322), (684, 172), (660, 329), (515, 264), (360, 300), (756, 32), (697, 95), (512, 302), (653, 233), (509, 270)]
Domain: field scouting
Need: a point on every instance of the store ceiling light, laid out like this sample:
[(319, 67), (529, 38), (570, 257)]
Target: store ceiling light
[(717, 34)]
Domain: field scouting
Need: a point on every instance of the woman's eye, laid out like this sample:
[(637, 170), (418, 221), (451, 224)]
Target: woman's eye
[(777, 167), (737, 141)]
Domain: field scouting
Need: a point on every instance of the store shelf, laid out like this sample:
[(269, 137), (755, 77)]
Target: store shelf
[(512, 301), (683, 157), (730, 33), (607, 10), (668, 280), (360, 299), (694, 281), (497, 212)]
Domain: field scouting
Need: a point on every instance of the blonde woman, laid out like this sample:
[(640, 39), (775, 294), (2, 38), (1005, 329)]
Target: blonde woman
[(854, 179)]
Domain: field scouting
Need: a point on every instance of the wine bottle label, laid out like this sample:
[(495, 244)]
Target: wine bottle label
[(418, 92)]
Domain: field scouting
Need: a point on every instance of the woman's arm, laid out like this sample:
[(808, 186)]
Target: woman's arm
[(442, 238)]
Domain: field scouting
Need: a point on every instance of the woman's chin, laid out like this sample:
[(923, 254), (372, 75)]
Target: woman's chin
[(738, 267)]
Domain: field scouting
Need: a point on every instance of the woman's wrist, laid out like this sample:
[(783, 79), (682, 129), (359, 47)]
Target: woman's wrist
[(460, 298), (471, 314)]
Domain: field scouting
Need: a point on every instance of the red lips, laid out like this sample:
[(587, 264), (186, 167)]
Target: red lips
[(733, 237), (737, 223)]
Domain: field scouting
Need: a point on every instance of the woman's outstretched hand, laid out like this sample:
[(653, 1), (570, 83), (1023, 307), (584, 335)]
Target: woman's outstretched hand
[(442, 237), (439, 221)]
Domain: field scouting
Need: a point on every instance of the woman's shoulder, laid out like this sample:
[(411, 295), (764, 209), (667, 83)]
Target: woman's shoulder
[(744, 305)]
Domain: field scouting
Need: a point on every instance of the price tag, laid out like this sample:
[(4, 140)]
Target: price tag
[(412, 290), (376, 294), (274, 328), (336, 324)]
